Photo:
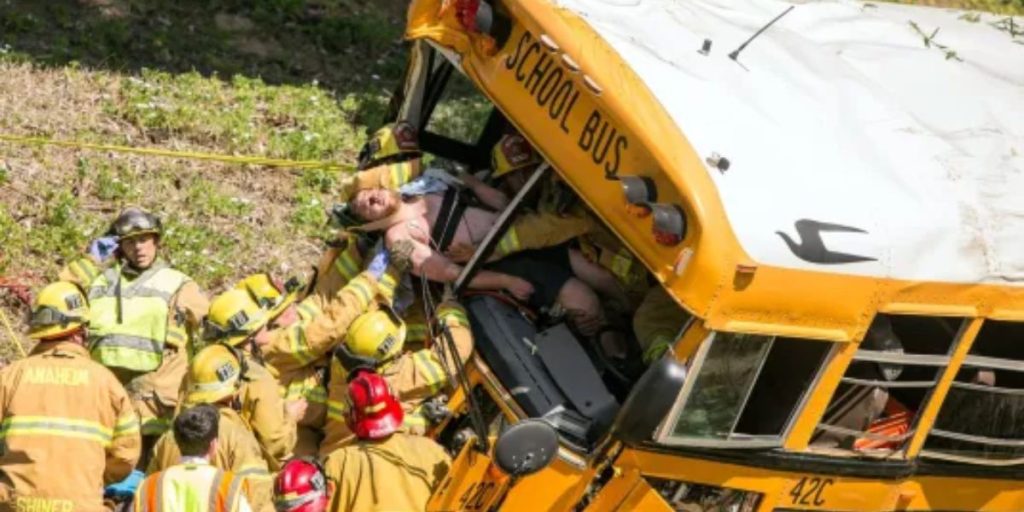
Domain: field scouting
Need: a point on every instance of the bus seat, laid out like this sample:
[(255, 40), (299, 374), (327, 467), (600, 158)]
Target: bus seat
[(577, 403)]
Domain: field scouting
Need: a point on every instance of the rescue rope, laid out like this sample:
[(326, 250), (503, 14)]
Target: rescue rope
[(185, 155)]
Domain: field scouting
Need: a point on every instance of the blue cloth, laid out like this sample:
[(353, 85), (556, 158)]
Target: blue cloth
[(102, 248), (422, 186), (125, 489), (379, 263)]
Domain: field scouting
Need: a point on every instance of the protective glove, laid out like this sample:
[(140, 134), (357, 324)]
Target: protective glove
[(379, 263), (102, 248), (125, 489), (440, 174)]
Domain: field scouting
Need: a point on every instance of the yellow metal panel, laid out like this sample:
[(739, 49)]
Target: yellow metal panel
[(615, 490), (802, 431), (645, 499), (558, 487), (770, 299), (811, 491)]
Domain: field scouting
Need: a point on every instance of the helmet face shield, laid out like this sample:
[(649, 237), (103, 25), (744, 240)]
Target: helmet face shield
[(135, 222), (47, 316), (237, 325)]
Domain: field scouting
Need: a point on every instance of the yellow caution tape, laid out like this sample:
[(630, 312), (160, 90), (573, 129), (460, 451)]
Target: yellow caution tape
[(187, 155)]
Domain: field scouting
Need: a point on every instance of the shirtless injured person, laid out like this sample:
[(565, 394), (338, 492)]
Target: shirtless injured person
[(542, 278)]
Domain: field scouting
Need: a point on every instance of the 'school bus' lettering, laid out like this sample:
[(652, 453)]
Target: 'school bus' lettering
[(554, 90)]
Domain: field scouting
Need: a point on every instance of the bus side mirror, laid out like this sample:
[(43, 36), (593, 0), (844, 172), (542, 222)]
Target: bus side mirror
[(650, 401), (526, 448)]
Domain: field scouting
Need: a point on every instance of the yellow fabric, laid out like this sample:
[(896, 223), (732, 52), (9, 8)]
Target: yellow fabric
[(263, 409), (657, 323), (58, 406), (135, 340), (415, 376), (189, 305), (191, 487), (237, 451), (155, 395), (389, 176), (81, 271), (309, 340), (538, 230), (396, 474)]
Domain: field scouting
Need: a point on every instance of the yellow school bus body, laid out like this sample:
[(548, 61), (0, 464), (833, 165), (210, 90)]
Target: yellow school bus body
[(709, 274)]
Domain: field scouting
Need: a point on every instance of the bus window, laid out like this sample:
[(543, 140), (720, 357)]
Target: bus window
[(982, 418), (461, 112), (744, 389), (875, 408)]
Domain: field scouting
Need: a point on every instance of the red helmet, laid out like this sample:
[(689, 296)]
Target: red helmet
[(301, 486), (373, 409)]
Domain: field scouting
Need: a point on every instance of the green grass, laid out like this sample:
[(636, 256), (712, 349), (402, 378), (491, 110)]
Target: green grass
[(293, 79)]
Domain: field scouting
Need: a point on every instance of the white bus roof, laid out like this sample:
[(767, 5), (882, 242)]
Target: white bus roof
[(840, 114)]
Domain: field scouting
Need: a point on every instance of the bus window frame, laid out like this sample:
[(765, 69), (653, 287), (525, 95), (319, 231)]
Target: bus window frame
[(664, 437), (984, 362), (947, 367)]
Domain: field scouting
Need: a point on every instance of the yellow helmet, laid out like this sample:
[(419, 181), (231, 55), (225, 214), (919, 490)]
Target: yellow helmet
[(60, 308), (269, 294), (512, 153), (376, 334), (233, 317), (391, 140), (213, 375)]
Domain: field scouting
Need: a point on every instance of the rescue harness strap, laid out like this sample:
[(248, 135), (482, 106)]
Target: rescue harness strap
[(453, 206)]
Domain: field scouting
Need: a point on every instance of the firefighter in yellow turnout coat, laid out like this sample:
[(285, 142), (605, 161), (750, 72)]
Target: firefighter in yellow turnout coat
[(214, 377), (236, 320), (59, 408), (142, 314), (385, 469), (299, 340), (377, 338)]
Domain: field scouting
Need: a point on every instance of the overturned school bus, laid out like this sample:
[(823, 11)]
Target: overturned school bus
[(833, 195)]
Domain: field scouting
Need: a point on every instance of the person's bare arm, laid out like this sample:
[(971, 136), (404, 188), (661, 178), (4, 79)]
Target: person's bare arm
[(435, 266), (487, 194)]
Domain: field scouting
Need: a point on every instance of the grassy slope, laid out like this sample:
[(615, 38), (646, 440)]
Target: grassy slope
[(181, 75)]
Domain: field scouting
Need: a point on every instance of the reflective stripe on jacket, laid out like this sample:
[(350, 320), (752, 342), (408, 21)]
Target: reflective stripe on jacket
[(128, 320), (63, 411), (196, 487)]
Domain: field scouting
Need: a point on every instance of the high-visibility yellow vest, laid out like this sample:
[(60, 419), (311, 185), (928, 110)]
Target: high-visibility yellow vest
[(191, 486), (128, 329)]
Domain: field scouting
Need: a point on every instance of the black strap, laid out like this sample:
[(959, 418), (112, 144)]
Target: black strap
[(453, 205)]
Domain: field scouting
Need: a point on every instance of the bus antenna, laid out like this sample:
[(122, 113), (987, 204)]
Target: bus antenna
[(736, 53)]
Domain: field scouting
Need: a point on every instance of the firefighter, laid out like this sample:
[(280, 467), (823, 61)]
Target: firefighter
[(214, 377), (235, 320), (194, 484), (301, 486), (392, 143), (60, 407), (376, 339), (295, 339), (385, 469), (143, 313)]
